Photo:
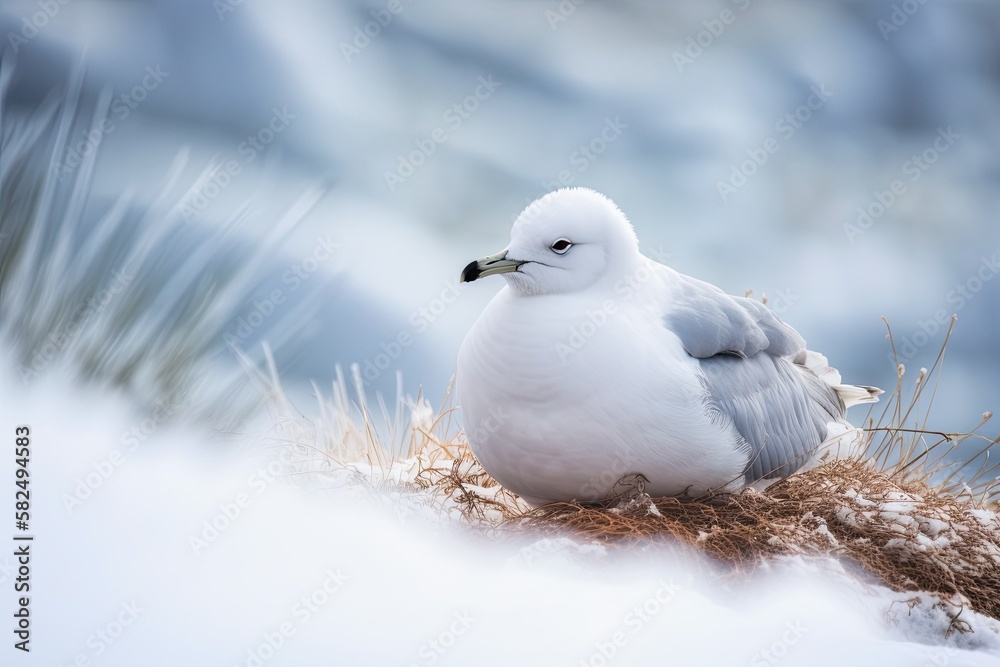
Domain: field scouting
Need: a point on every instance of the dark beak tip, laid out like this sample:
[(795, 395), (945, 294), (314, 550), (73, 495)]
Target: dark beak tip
[(470, 272)]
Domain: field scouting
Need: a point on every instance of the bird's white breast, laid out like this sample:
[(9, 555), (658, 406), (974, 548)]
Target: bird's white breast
[(546, 413)]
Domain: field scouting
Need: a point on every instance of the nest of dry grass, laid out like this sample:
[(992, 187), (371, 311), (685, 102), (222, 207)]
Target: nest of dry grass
[(910, 537), (904, 533)]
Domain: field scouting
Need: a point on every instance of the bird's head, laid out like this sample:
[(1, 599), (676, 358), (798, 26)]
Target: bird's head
[(564, 242)]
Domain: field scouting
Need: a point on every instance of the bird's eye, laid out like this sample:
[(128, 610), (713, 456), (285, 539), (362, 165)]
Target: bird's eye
[(561, 246)]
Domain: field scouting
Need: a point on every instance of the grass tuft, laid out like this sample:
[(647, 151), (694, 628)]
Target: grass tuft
[(129, 295)]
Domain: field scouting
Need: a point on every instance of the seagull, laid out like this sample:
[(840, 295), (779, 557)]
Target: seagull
[(596, 364)]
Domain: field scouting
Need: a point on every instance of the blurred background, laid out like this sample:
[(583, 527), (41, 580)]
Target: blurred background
[(350, 158), (182, 181)]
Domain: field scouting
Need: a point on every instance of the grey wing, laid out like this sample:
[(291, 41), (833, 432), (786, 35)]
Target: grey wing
[(748, 358), (709, 322), (780, 409)]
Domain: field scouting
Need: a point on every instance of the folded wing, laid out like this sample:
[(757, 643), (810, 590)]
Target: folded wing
[(757, 377)]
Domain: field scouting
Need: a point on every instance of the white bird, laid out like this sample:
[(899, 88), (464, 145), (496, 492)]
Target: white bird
[(595, 363)]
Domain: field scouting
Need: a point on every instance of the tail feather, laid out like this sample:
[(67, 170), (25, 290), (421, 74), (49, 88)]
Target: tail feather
[(856, 394), (850, 394)]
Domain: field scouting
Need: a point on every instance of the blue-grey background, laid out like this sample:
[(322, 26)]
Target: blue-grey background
[(684, 95)]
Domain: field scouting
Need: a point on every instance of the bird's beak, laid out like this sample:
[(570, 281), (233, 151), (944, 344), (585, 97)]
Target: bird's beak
[(488, 266)]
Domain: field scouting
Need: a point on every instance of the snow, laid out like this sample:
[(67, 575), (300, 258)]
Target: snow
[(325, 572)]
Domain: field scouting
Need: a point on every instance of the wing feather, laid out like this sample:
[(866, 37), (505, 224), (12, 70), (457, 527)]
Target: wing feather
[(755, 377), (779, 409), (709, 322)]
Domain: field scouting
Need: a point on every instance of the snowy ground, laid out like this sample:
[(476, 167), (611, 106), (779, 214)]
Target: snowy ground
[(316, 572)]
